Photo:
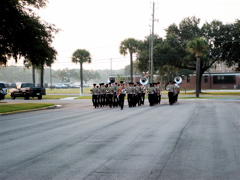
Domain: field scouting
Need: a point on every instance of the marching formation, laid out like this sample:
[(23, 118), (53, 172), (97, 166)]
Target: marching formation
[(113, 94)]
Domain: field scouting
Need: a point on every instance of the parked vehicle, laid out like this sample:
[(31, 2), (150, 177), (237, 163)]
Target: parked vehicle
[(27, 90), (3, 90)]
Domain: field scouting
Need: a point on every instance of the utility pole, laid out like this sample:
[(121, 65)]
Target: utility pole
[(149, 58), (152, 42)]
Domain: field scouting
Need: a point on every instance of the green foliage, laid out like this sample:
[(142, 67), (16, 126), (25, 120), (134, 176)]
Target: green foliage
[(81, 56), (197, 46), (221, 43), (23, 35), (130, 46), (13, 74), (6, 108), (68, 75)]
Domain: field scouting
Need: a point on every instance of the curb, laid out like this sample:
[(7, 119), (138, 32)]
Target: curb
[(27, 110)]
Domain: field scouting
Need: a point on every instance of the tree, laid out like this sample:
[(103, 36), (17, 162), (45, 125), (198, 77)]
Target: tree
[(224, 40), (130, 46), (23, 35), (223, 45), (81, 56), (90, 74), (199, 47), (143, 56), (64, 75)]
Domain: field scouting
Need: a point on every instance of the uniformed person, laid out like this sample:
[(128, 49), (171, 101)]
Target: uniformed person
[(95, 93), (144, 88), (115, 99), (151, 94), (110, 95), (134, 98), (138, 93), (156, 95), (176, 91), (121, 94), (102, 91), (159, 92), (170, 89), (107, 95), (129, 91)]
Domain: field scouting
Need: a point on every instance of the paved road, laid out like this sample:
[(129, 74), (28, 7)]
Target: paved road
[(193, 139)]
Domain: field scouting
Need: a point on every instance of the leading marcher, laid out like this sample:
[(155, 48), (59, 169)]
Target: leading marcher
[(176, 91), (95, 94), (170, 89)]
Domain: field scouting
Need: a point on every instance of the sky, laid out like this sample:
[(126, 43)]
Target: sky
[(99, 26)]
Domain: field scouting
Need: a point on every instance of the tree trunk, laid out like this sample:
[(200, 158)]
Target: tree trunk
[(200, 82), (33, 74), (81, 76), (198, 76), (131, 67), (41, 76)]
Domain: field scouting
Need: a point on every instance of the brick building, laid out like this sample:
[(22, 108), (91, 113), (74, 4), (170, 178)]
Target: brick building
[(219, 77), (213, 81)]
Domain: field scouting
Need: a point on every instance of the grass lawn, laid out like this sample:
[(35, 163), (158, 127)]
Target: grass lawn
[(86, 90), (6, 108), (44, 97)]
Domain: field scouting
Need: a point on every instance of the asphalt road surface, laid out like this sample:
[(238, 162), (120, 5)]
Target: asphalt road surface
[(192, 139)]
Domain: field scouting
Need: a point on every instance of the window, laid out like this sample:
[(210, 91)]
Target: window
[(188, 79), (205, 79), (224, 79)]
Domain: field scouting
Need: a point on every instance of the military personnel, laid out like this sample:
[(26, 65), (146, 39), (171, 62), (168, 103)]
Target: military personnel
[(156, 95), (144, 88), (134, 98), (151, 94), (129, 91), (107, 95), (110, 95), (102, 91), (170, 89), (115, 98), (121, 94), (176, 91), (95, 93), (138, 93), (159, 92)]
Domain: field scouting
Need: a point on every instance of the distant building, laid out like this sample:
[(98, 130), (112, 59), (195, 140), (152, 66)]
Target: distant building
[(219, 77)]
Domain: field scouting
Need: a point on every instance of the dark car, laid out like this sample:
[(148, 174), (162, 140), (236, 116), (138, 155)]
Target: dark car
[(27, 90), (3, 90)]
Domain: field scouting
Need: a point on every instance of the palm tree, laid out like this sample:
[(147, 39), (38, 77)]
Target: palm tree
[(198, 46), (81, 56), (130, 46)]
